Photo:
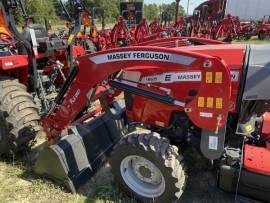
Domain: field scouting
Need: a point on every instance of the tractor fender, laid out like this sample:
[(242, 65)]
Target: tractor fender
[(13, 62)]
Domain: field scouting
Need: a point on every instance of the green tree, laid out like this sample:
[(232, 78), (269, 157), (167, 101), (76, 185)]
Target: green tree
[(58, 8), (41, 7), (38, 9), (170, 10), (111, 8), (151, 11)]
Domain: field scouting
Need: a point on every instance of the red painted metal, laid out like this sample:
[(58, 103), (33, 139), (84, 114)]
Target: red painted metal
[(178, 27), (263, 28), (225, 29), (154, 26), (174, 42), (119, 32), (266, 126), (145, 110), (13, 62), (256, 159), (244, 29), (151, 111), (144, 33), (78, 51), (233, 56), (142, 30)]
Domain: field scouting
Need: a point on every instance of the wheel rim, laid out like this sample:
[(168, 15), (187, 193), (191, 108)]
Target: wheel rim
[(142, 176)]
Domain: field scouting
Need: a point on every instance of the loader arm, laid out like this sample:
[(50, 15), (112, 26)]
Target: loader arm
[(93, 69)]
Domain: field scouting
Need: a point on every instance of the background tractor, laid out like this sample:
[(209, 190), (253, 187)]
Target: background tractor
[(32, 66), (263, 28)]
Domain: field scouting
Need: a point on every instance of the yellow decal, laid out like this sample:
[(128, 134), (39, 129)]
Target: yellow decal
[(70, 39), (201, 102), (219, 103), (249, 128), (218, 78), (160, 124), (210, 102), (209, 77)]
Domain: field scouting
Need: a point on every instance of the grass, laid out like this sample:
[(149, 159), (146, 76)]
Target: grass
[(253, 40), (20, 184)]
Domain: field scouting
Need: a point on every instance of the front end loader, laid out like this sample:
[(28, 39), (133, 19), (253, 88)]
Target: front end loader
[(144, 102)]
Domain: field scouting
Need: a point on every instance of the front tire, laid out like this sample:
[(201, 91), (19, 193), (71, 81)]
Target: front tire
[(148, 168)]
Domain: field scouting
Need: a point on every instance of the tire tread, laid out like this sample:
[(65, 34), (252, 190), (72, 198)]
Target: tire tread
[(21, 116)]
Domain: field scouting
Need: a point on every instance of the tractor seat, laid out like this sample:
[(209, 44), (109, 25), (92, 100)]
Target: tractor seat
[(41, 40), (40, 32)]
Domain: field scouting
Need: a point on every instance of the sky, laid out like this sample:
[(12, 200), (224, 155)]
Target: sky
[(192, 3)]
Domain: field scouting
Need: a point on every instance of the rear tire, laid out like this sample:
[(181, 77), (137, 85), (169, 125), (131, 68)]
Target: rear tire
[(19, 119), (148, 168)]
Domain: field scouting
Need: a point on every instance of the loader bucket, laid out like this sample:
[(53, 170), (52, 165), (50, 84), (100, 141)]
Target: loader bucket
[(80, 154)]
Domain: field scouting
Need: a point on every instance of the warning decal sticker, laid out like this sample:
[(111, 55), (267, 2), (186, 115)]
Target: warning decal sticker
[(213, 143)]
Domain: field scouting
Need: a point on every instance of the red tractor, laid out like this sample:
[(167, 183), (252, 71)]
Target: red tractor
[(232, 28), (245, 30), (145, 32), (206, 96), (178, 29), (263, 28), (210, 21), (121, 35), (200, 24), (225, 29), (34, 65)]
